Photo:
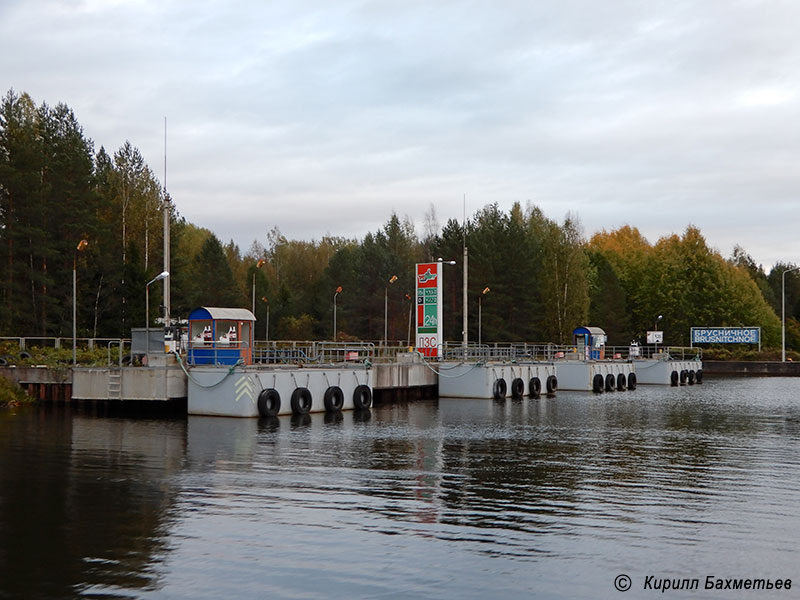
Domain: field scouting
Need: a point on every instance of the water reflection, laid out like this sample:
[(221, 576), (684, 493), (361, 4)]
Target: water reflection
[(406, 500), (81, 501)]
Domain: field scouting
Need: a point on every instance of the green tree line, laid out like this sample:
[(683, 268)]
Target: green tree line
[(544, 277)]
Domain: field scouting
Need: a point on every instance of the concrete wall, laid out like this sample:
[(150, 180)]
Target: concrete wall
[(760, 368), (24, 375), (135, 383), (473, 380), (218, 391), (396, 375)]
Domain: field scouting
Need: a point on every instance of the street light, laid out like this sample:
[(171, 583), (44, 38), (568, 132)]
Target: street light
[(783, 312), (81, 246), (261, 262), (485, 291), (410, 309), (655, 328), (338, 291), (392, 279), (452, 262), (159, 277), (266, 329)]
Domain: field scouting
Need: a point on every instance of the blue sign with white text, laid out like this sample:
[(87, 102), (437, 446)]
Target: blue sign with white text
[(726, 335)]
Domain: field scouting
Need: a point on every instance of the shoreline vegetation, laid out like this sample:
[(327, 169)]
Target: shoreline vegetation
[(98, 216), (11, 394)]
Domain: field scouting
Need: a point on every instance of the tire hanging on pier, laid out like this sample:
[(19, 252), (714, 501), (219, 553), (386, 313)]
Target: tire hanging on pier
[(684, 376), (301, 401), (622, 382), (517, 389), (632, 381), (269, 403), (499, 389), (673, 378), (598, 384), (334, 399), (535, 387), (692, 377), (551, 384), (698, 376), (611, 382), (362, 397)]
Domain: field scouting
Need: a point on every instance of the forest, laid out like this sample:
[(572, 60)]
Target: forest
[(66, 207)]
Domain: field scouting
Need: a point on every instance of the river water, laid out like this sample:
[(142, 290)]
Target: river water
[(549, 498)]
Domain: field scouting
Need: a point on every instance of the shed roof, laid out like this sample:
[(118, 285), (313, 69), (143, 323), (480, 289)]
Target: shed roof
[(224, 314), (590, 330)]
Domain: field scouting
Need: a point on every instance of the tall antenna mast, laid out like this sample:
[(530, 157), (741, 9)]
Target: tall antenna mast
[(464, 323), (167, 204)]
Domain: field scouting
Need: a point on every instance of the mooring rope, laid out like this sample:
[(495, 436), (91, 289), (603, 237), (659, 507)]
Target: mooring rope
[(239, 362)]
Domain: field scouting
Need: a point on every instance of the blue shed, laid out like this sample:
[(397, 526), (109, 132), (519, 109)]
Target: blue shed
[(590, 342), (220, 336)]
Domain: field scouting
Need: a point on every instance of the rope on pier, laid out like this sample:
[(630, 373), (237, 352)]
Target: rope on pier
[(238, 363), (439, 372)]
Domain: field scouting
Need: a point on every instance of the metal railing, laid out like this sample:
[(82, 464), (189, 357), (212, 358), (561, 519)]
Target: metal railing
[(284, 352), (325, 352), (533, 352), (60, 342)]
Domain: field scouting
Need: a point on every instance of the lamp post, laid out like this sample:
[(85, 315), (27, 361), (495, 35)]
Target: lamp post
[(410, 309), (266, 329), (783, 312), (159, 277), (485, 291), (392, 279), (338, 291), (440, 343), (81, 245), (655, 328), (261, 262)]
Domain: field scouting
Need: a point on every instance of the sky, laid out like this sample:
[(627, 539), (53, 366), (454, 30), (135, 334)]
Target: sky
[(325, 117)]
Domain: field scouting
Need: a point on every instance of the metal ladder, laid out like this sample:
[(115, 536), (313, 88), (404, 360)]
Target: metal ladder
[(114, 390), (114, 383)]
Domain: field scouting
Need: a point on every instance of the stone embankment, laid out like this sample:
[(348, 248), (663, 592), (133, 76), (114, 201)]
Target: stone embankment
[(752, 368)]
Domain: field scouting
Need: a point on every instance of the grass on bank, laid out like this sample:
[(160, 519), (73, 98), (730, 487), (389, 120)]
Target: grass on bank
[(48, 356), (11, 394)]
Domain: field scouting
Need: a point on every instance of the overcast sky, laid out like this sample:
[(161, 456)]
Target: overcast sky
[(325, 116)]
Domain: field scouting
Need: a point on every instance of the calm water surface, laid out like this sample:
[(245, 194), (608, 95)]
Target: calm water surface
[(549, 498)]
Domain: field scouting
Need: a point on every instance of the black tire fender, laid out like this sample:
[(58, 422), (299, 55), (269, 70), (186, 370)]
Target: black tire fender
[(551, 384), (535, 387), (622, 382), (674, 378), (632, 381), (334, 399), (611, 382), (499, 389), (301, 401), (269, 403), (362, 397), (517, 388)]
